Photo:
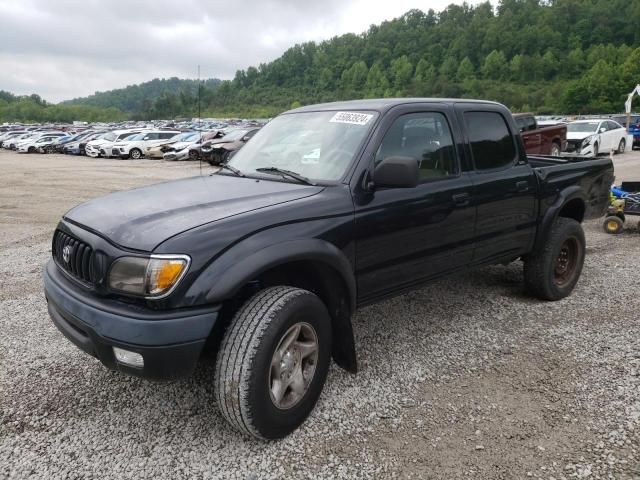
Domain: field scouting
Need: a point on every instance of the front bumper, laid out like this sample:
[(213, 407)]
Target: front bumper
[(170, 342)]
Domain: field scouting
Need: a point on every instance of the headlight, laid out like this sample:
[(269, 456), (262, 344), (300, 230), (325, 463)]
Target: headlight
[(152, 277), (587, 141)]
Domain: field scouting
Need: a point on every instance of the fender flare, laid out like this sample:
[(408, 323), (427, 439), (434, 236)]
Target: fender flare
[(565, 196), (230, 281)]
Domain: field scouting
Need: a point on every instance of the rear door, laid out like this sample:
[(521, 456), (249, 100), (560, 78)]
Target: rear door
[(504, 184), (405, 236)]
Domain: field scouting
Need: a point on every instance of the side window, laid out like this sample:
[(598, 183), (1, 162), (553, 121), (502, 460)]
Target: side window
[(491, 142), (167, 135), (425, 137)]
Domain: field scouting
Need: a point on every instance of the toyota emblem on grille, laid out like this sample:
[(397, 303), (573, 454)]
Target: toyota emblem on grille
[(66, 253)]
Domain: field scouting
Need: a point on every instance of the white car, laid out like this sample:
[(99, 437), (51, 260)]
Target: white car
[(595, 136), (32, 144), (102, 146), (134, 147), (180, 150)]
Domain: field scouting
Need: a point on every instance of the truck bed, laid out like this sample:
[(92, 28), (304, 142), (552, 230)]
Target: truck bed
[(593, 175)]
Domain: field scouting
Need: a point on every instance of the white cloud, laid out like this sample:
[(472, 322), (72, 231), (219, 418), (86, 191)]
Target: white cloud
[(72, 48)]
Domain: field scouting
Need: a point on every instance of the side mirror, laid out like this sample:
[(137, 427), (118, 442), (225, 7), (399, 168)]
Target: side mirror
[(602, 130), (397, 172)]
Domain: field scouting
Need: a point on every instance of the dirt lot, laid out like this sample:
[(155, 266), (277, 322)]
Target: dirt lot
[(465, 378)]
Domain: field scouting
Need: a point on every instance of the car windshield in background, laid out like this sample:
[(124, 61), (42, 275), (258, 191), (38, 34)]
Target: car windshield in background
[(317, 145), (583, 127), (187, 137), (109, 137), (234, 135)]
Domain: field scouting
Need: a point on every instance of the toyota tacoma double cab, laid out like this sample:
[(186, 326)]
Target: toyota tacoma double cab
[(264, 263)]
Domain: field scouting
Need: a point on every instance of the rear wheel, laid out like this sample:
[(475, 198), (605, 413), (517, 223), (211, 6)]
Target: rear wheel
[(622, 146), (273, 362), (613, 225), (135, 154), (552, 272), (555, 149)]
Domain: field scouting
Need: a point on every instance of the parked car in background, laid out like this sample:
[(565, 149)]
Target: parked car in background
[(595, 136), (32, 144), (180, 150), (541, 140), (634, 129), (158, 151), (218, 151), (135, 146), (78, 147), (101, 147)]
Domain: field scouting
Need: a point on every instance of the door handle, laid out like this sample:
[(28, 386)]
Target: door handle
[(522, 186), (461, 199)]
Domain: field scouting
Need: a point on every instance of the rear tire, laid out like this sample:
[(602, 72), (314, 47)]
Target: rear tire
[(552, 272), (273, 362), (613, 225)]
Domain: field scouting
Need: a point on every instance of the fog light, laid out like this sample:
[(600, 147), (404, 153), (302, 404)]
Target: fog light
[(132, 359)]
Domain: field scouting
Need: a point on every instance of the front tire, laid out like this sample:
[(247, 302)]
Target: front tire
[(193, 155), (135, 154), (273, 362), (555, 149), (552, 273), (622, 146), (595, 150)]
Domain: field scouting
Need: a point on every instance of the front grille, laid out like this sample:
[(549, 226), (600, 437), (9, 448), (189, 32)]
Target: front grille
[(574, 145), (78, 259)]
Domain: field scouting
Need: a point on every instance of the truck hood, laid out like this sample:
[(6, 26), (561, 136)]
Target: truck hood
[(143, 218)]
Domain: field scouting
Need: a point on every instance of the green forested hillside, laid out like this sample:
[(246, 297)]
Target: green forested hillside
[(564, 56), (158, 98), (572, 56)]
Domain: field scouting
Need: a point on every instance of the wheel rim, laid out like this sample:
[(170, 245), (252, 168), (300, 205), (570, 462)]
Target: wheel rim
[(135, 154), (193, 155), (555, 151), (612, 225), (622, 146), (293, 365), (566, 262)]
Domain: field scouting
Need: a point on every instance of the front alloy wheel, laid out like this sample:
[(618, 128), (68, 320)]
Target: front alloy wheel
[(293, 365), (273, 362)]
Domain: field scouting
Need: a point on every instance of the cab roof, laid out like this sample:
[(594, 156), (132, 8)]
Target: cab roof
[(381, 104)]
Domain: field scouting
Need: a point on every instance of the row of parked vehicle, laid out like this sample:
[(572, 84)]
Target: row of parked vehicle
[(214, 146), (585, 137)]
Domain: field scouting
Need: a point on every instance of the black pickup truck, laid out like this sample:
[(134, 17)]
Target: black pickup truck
[(328, 208)]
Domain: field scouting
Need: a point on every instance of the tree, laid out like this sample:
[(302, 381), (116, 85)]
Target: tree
[(465, 70), (401, 72), (495, 66)]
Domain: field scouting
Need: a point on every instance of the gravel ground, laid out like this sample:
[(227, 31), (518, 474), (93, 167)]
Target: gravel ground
[(465, 378)]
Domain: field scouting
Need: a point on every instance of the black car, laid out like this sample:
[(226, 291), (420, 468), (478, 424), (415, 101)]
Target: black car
[(265, 262)]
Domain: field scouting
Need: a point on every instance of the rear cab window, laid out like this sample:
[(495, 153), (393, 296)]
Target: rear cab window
[(492, 144)]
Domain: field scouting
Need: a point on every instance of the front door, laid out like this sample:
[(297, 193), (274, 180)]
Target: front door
[(405, 236)]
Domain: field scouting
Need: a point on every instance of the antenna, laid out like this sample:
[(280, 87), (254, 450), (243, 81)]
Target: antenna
[(199, 123)]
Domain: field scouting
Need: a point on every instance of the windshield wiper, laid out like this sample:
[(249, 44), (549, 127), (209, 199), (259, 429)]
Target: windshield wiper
[(285, 173), (226, 166)]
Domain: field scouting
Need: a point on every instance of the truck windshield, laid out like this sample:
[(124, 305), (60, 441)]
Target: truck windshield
[(583, 127), (316, 145)]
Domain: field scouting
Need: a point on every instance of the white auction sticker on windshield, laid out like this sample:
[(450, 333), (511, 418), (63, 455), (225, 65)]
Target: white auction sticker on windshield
[(353, 118)]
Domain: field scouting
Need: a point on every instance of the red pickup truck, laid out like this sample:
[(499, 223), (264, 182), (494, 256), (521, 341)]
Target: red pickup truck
[(550, 140)]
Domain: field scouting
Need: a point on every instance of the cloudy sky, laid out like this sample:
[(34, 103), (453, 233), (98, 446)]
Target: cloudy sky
[(70, 48)]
